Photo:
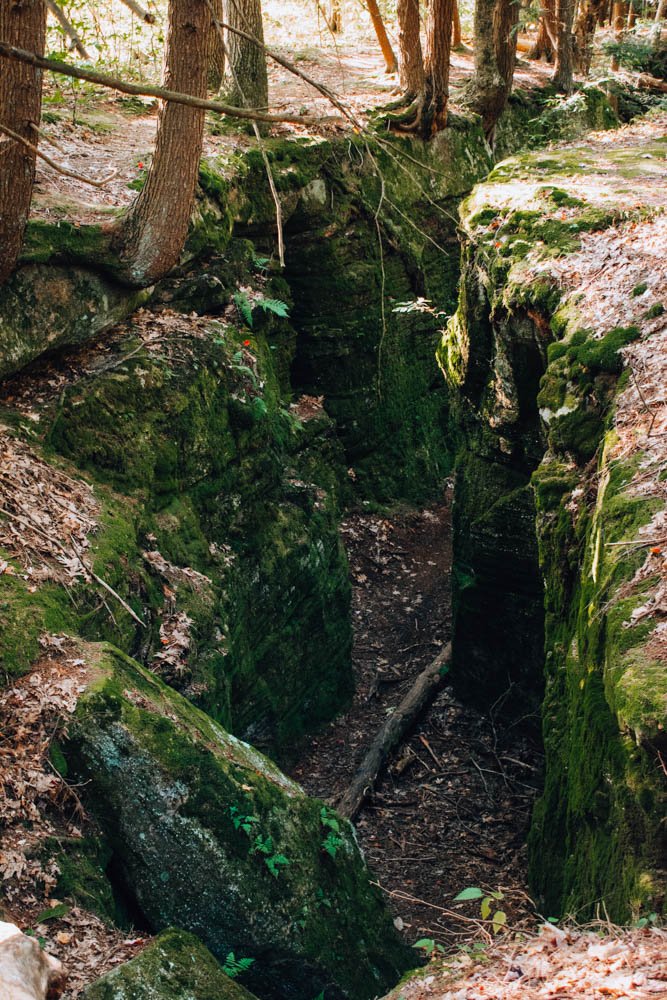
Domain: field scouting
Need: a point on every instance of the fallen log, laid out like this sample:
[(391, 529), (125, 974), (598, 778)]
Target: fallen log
[(648, 82), (392, 732)]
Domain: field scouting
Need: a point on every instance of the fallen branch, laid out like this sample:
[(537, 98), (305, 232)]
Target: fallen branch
[(146, 89), (69, 29), (52, 163), (392, 732), (139, 11)]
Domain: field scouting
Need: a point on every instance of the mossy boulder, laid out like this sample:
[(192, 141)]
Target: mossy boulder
[(43, 307), (174, 966), (208, 835)]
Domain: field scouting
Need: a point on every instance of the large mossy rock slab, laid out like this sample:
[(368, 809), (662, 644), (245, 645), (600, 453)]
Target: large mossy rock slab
[(175, 966), (547, 514), (43, 307), (210, 836), (227, 482)]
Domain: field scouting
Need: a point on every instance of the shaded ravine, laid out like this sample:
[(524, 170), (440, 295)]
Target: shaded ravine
[(453, 808)]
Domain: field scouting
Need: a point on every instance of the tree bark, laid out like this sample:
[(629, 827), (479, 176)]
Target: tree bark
[(150, 237), (22, 22), (618, 19), (248, 84), (391, 62), (545, 43), (436, 66), (411, 68), (456, 26), (564, 65), (495, 57), (584, 33), (216, 49), (335, 17), (392, 732)]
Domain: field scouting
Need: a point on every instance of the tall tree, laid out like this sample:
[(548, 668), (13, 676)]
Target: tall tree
[(545, 42), (495, 37), (391, 63), (150, 236), (426, 80), (564, 62), (436, 65), (456, 26), (411, 66), (22, 23), (216, 48), (584, 32), (248, 83)]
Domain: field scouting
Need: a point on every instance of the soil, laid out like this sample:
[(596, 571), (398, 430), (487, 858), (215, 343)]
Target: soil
[(453, 807)]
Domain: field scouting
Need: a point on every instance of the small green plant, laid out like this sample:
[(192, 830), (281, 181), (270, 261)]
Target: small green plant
[(332, 841), (274, 862), (242, 822), (499, 918), (322, 900), (653, 919), (429, 945), (245, 306), (234, 967)]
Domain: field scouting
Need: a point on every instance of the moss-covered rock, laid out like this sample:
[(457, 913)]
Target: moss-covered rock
[(174, 966), (207, 834), (533, 394), (214, 462), (43, 307)]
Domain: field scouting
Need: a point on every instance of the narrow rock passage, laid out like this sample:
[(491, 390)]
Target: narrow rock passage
[(453, 808)]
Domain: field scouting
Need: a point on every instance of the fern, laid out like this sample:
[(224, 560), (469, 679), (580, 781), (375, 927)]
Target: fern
[(243, 305), (276, 306)]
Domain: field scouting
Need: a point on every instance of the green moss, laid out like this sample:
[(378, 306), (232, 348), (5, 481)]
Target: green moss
[(82, 877), (166, 783), (656, 310), (174, 966), (639, 289)]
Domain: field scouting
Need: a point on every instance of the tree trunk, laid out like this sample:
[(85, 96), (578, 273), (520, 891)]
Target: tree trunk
[(216, 49), (336, 17), (22, 23), (392, 732), (456, 26), (150, 237), (495, 58), (545, 43), (632, 16), (584, 33), (391, 62), (247, 81), (618, 19), (564, 66), (436, 66), (411, 70)]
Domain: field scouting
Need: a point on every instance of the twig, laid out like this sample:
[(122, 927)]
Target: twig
[(69, 29), (47, 138), (52, 163), (408, 897), (145, 15), (428, 747), (145, 89)]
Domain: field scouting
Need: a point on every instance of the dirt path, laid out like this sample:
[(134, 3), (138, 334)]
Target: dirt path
[(453, 809)]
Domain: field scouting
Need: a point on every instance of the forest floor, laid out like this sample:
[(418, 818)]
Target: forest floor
[(96, 132), (452, 809)]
